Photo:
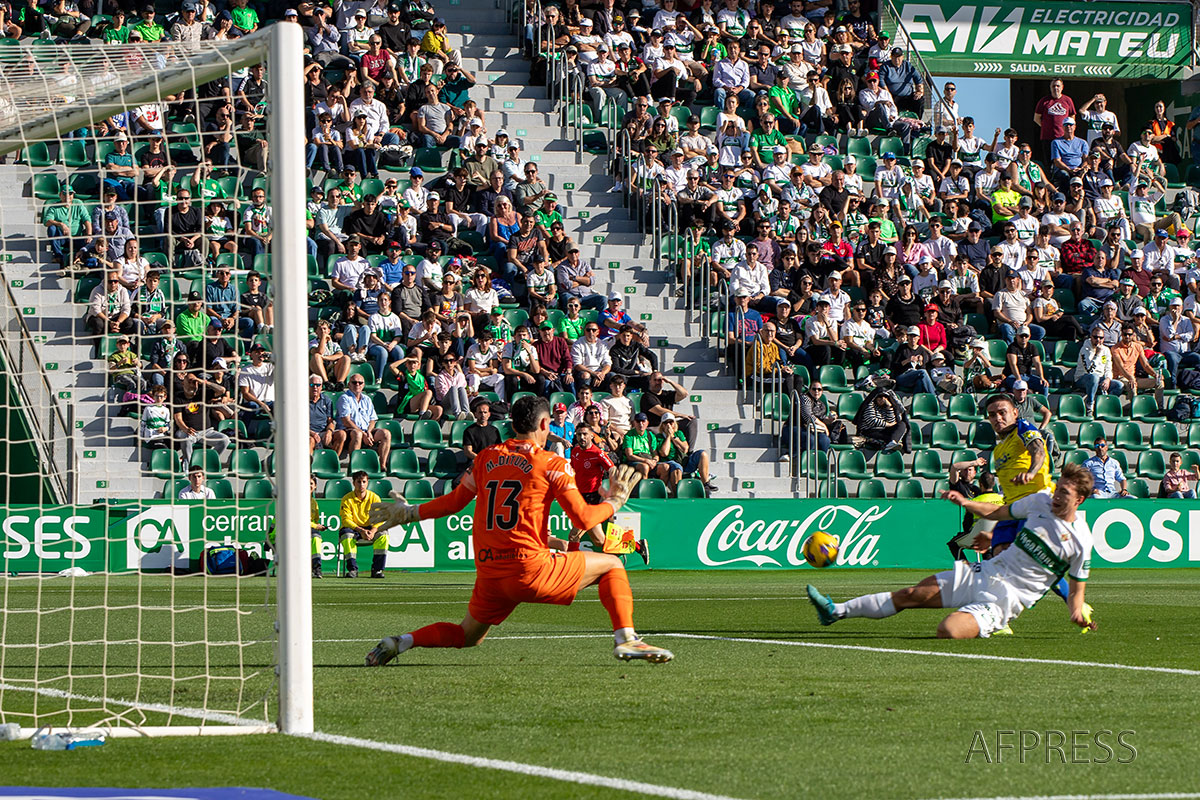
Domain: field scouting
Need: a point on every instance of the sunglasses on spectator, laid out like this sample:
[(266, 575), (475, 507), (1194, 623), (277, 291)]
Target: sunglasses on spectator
[(357, 383)]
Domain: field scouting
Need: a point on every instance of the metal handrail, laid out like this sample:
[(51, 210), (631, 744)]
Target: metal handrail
[(51, 428), (914, 55)]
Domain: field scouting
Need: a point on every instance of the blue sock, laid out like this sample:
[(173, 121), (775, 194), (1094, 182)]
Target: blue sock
[(1060, 588)]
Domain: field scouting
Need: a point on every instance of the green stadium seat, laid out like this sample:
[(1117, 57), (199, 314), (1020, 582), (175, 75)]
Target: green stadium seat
[(427, 435), (45, 186), (939, 486), (516, 317), (832, 488), (1165, 436), (1066, 300), (944, 436), (1062, 437), (170, 489), (915, 438), (853, 464), (444, 464), (380, 401), (418, 489), (860, 147), (910, 489), (1129, 437), (1193, 437), (928, 464), (562, 397), (164, 463), (457, 428), (247, 464), (222, 488), (871, 488), (997, 352), (1143, 407), (691, 489), (1076, 457), (1150, 464), (381, 486), (258, 489), (1190, 459), (978, 322), (1138, 488), (1108, 408), (926, 407), (367, 372), (37, 154), (1088, 433), (325, 464), (233, 428), (208, 460), (964, 407), (890, 465), (983, 436), (833, 378), (403, 463), (366, 460), (337, 488), (848, 405), (1071, 408), (651, 489), (393, 427), (776, 406)]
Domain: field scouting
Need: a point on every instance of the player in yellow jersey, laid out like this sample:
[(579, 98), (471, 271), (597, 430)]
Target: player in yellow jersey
[(1022, 466)]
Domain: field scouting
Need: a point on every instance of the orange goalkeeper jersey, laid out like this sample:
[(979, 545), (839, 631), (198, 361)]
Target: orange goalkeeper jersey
[(513, 484)]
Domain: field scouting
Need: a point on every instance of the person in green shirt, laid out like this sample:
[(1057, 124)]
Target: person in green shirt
[(117, 31), (681, 460), (1005, 199), (66, 221), (149, 29), (245, 19), (548, 214), (191, 324), (639, 449), (887, 229), (784, 103), (764, 140), (572, 324)]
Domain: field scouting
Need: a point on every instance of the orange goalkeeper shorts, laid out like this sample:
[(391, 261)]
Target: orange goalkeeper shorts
[(550, 578)]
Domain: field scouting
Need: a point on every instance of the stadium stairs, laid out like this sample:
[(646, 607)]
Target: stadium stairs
[(743, 460)]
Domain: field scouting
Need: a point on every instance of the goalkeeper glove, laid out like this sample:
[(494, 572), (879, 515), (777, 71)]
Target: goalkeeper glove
[(621, 484), (389, 515)]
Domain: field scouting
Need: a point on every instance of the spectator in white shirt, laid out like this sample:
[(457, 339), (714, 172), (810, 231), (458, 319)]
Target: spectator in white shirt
[(196, 488), (836, 297)]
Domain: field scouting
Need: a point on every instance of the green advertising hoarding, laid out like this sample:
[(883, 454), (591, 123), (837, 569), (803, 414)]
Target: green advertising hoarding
[(1026, 38), (693, 534)]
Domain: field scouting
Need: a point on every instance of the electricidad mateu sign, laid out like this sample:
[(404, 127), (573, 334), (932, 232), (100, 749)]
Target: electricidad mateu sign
[(1025, 38)]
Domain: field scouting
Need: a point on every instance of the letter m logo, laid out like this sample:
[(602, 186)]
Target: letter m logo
[(158, 538)]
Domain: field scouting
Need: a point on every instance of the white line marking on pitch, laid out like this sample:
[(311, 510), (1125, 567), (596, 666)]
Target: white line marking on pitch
[(1149, 796), (532, 770), (830, 646)]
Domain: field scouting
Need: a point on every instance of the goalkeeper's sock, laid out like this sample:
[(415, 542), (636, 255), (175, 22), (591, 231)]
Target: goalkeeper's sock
[(439, 634), (617, 598), (874, 606), (1061, 589)]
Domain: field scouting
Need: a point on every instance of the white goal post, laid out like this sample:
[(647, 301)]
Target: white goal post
[(87, 85)]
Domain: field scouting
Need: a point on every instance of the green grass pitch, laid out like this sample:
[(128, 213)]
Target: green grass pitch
[(730, 718)]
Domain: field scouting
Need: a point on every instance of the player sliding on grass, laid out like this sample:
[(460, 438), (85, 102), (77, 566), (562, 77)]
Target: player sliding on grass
[(987, 595), (513, 484)]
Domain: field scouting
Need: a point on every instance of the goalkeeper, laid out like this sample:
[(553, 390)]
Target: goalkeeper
[(513, 484)]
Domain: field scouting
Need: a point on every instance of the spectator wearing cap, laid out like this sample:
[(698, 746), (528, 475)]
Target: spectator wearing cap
[(880, 110), (911, 362), (955, 186), (554, 359), (933, 332), (1049, 115), (519, 363), (1176, 335), (1127, 298), (1160, 257), (480, 165), (1067, 154), (630, 358), (1094, 371), (904, 82), (639, 449), (1023, 363), (575, 280), (68, 225), (614, 316), (1108, 481), (435, 46)]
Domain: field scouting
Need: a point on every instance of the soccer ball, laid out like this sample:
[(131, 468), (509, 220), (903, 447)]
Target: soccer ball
[(821, 549)]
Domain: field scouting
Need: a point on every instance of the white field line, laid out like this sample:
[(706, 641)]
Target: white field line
[(1147, 796), (830, 646), (532, 770)]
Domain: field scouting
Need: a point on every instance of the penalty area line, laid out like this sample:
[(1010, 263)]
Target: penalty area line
[(517, 767)]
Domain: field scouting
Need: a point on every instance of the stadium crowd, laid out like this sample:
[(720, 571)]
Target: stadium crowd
[(836, 226)]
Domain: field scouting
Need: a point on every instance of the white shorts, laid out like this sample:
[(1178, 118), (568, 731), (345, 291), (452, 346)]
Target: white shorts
[(968, 588)]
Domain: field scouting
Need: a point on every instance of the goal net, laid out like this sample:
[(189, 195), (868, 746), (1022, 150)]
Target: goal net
[(152, 364)]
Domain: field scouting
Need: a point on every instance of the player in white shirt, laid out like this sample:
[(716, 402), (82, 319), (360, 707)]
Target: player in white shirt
[(989, 594)]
